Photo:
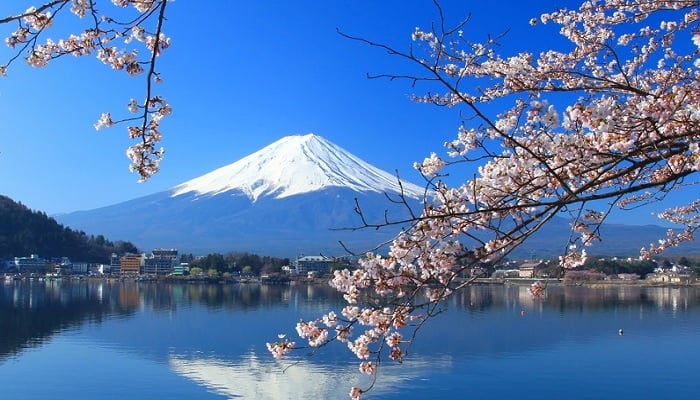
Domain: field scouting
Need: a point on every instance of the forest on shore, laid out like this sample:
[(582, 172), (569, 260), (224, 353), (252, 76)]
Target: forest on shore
[(24, 232)]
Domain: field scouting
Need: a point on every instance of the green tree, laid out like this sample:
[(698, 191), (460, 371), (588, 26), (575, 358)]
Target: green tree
[(187, 258), (100, 240), (24, 232)]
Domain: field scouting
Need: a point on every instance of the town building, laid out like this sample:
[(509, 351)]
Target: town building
[(180, 269), (97, 269), (529, 269), (31, 264), (313, 264), (79, 268), (160, 262), (505, 273), (169, 254), (131, 264), (115, 263)]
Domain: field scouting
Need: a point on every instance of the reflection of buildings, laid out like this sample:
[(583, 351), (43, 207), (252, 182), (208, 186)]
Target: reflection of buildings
[(129, 296), (671, 298)]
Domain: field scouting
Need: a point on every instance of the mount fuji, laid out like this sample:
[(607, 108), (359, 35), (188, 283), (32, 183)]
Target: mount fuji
[(294, 196)]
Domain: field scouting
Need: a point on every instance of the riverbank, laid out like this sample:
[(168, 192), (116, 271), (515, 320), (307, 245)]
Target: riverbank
[(597, 283), (294, 280)]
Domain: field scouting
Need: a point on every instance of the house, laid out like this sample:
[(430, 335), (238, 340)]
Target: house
[(31, 264), (115, 263), (668, 277), (130, 264), (180, 269), (505, 273), (529, 269), (79, 267), (161, 262), (315, 264), (628, 277)]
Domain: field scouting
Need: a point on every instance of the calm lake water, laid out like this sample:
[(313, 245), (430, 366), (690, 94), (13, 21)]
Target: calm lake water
[(100, 340)]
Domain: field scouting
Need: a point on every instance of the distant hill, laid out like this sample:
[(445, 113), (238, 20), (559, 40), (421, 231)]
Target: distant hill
[(618, 240), (24, 232)]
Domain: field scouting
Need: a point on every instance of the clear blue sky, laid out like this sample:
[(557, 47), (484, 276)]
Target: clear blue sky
[(239, 75)]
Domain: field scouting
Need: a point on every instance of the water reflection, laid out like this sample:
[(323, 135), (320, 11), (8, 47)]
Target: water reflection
[(32, 311), (231, 297), (209, 341), (253, 378), (563, 298)]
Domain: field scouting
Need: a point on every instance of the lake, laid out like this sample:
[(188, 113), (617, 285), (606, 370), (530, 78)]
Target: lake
[(135, 340)]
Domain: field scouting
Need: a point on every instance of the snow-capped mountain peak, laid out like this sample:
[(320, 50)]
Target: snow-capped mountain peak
[(294, 165)]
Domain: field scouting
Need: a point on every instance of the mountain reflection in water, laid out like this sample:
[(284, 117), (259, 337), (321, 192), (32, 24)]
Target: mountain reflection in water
[(490, 340)]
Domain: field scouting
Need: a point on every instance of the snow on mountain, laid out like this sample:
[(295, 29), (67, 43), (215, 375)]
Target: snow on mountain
[(297, 195), (294, 165)]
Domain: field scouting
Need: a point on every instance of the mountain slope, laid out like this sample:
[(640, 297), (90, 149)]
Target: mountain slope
[(309, 223), (294, 196), (617, 240)]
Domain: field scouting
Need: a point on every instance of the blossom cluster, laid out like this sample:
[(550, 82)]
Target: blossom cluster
[(536, 290), (613, 119), (281, 348), (100, 37), (620, 134)]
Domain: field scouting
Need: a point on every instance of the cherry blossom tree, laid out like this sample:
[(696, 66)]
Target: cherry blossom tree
[(610, 121), (126, 35)]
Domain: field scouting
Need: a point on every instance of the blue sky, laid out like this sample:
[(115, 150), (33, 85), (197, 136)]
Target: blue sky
[(239, 75)]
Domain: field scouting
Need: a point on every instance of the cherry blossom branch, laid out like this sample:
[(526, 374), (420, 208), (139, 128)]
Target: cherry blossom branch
[(33, 11), (98, 37), (631, 137)]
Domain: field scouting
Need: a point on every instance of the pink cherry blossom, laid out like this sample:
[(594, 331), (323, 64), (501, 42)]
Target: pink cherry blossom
[(104, 121), (368, 368), (281, 348), (33, 42), (625, 134), (536, 290), (356, 393)]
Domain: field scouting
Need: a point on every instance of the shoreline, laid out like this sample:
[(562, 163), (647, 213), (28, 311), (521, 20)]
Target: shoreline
[(324, 280), (599, 283)]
